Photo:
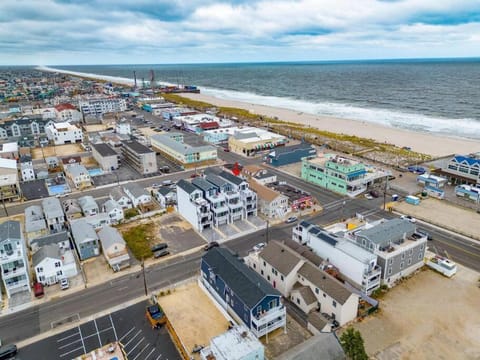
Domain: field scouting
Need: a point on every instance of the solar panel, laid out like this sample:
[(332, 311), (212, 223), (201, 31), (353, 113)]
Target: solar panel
[(328, 238), (314, 230)]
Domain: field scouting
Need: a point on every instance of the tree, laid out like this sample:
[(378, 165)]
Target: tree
[(352, 343)]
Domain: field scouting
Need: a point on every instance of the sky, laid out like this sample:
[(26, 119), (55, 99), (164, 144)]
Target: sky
[(74, 32)]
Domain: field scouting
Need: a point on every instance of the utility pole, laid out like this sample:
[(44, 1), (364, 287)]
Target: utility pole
[(144, 278), (385, 193), (266, 231), (4, 207)]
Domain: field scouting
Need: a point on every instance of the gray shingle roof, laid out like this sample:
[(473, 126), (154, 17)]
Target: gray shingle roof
[(186, 186), (216, 180), (325, 344), (52, 208), (82, 231), (245, 283), (54, 238), (10, 230), (87, 203), (117, 193), (203, 184), (389, 231), (281, 257), (110, 205), (135, 189), (325, 282), (306, 293), (231, 178), (110, 236), (34, 219), (77, 170), (47, 251)]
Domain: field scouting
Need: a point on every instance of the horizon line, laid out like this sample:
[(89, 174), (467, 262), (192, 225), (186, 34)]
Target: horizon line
[(406, 59)]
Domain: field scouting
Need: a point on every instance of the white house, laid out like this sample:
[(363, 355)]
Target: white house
[(13, 259), (54, 215), (52, 264), (114, 211), (138, 195), (270, 202), (27, 171), (193, 207), (117, 195), (63, 133), (88, 205), (79, 176), (67, 113), (35, 224), (114, 248), (166, 196)]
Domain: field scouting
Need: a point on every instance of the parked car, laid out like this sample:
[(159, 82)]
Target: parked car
[(158, 247), (8, 351), (374, 193), (161, 253), (291, 219), (167, 183), (211, 245), (259, 246), (193, 176), (226, 149), (409, 218), (38, 290), (424, 233), (368, 196), (64, 284), (156, 186)]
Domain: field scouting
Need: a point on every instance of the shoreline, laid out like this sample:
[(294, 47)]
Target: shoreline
[(426, 143), (430, 144)]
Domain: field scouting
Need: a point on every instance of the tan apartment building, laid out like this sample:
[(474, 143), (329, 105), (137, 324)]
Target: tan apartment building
[(139, 157)]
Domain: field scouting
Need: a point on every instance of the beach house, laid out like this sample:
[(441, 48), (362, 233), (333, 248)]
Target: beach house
[(114, 248), (85, 239), (51, 263)]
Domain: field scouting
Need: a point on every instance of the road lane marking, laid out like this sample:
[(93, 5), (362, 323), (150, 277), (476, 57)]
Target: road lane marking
[(138, 333), (113, 327), (138, 343), (150, 353), (146, 346), (81, 338), (98, 334), (71, 351), (124, 336), (122, 288)]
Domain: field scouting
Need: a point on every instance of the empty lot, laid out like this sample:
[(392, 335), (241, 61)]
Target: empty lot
[(427, 317)]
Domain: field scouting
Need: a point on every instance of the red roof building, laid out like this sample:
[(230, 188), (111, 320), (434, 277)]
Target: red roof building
[(66, 106), (211, 125)]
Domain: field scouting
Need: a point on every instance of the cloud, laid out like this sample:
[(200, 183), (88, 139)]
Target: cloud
[(146, 31)]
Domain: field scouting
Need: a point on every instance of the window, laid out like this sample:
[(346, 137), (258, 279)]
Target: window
[(324, 295), (403, 256), (409, 261), (39, 269), (281, 277), (272, 304), (254, 266), (317, 291), (334, 303), (58, 264), (298, 301), (390, 262), (420, 256), (390, 271), (261, 272), (401, 265), (264, 264), (59, 273)]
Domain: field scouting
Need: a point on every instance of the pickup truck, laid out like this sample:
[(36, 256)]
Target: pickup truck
[(155, 316)]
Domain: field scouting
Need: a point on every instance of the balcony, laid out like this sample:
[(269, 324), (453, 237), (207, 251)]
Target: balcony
[(9, 273), (273, 319)]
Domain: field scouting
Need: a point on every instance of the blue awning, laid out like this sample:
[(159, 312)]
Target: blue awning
[(356, 173)]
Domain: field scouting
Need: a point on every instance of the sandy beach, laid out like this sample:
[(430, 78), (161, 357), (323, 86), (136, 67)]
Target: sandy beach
[(431, 144)]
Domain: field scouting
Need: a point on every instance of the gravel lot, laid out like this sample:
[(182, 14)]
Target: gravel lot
[(427, 317)]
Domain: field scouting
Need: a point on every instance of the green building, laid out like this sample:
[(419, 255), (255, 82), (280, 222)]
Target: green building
[(338, 174)]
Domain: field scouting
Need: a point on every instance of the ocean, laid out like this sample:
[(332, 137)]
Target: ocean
[(435, 96)]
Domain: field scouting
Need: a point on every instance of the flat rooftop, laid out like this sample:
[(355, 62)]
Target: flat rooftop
[(322, 158), (193, 315)]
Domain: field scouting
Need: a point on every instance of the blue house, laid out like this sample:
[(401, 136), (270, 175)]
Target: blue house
[(291, 154), (243, 293)]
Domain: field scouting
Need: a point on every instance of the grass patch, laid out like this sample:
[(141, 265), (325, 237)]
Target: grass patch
[(129, 213), (137, 240)]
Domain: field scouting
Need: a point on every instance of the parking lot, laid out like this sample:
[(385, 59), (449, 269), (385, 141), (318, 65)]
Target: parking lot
[(129, 326)]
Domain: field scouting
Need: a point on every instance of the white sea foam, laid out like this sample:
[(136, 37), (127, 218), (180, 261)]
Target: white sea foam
[(465, 127)]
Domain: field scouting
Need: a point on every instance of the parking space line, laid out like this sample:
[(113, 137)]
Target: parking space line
[(98, 334), (141, 340), (71, 351), (81, 338), (67, 345), (124, 336), (146, 346), (150, 353), (113, 327), (67, 337), (158, 357), (138, 333)]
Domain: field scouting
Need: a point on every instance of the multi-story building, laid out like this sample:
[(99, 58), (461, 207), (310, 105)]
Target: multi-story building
[(35, 224), (249, 141), (399, 248), (63, 133), (271, 203), (105, 156), (88, 205), (462, 169), (247, 196), (138, 195), (51, 263), (171, 145), (235, 205), (100, 106), (26, 168), (67, 113), (114, 248), (13, 259), (85, 239), (357, 265), (139, 157), (217, 201), (9, 151), (193, 207), (117, 195), (23, 127), (79, 176), (9, 188), (54, 215), (341, 175), (243, 293), (306, 285)]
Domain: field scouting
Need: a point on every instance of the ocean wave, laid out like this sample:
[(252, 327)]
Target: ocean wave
[(463, 127)]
